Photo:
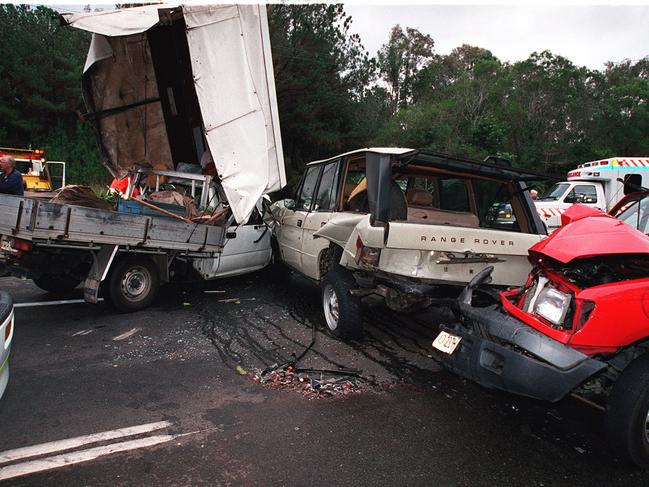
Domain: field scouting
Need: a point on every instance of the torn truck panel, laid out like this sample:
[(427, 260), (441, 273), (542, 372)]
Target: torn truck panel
[(130, 122), (234, 81), (193, 84), (122, 22)]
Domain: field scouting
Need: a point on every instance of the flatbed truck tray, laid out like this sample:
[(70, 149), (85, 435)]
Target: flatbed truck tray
[(43, 222)]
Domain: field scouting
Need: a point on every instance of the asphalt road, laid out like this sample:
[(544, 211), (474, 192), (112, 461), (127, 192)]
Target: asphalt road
[(79, 370)]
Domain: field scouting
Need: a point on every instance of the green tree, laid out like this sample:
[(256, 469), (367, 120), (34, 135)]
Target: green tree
[(40, 70), (622, 118), (40, 87), (544, 111), (322, 74), (400, 61)]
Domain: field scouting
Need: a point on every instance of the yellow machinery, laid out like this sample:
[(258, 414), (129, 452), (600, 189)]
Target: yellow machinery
[(31, 163)]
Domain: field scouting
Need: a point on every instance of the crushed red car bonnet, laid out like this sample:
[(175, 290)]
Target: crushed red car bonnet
[(587, 232)]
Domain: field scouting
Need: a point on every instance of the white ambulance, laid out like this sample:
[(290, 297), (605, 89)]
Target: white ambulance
[(599, 184)]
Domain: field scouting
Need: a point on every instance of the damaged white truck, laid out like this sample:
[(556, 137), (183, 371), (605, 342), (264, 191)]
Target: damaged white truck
[(171, 90), (403, 227)]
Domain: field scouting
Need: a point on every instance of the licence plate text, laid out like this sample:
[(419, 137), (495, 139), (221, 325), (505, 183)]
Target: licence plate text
[(447, 343)]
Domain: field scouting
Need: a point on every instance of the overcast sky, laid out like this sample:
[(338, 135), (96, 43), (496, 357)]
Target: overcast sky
[(587, 35)]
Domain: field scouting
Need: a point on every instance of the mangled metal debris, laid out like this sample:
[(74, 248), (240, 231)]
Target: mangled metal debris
[(312, 384)]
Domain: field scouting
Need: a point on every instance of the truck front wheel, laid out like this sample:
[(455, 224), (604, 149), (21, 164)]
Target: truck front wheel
[(342, 311), (627, 413), (133, 285)]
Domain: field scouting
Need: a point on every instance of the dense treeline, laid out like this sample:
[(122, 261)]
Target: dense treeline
[(543, 112), (40, 89)]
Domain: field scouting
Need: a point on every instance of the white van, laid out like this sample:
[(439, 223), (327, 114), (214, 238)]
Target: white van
[(599, 184)]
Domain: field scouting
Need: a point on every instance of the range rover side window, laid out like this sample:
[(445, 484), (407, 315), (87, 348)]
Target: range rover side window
[(305, 199), (453, 195), (328, 188), (352, 191), (494, 204)]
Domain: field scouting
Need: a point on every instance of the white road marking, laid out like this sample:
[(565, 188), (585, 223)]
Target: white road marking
[(126, 335), (72, 458), (51, 303), (60, 445), (82, 333)]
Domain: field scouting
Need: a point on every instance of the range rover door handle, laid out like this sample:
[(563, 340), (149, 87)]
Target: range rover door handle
[(299, 223)]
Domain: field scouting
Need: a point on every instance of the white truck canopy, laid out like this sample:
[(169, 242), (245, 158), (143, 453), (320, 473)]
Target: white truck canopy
[(168, 84)]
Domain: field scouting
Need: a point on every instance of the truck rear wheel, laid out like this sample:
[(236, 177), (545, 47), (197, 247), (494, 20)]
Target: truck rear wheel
[(627, 414), (133, 285), (57, 283), (342, 311)]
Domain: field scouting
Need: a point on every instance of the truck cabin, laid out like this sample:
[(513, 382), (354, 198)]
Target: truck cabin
[(421, 187), (566, 192)]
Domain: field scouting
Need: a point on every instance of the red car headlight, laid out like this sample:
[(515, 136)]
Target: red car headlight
[(553, 305)]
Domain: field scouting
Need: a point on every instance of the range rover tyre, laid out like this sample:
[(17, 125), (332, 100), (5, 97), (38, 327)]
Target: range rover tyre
[(626, 419), (57, 283), (342, 311), (133, 284)]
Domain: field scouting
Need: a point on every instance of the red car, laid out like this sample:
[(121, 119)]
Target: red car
[(579, 324)]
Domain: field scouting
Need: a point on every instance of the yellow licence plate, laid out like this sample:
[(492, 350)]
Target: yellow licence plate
[(447, 343)]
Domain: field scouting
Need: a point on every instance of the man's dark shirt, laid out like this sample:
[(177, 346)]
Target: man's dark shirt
[(12, 184)]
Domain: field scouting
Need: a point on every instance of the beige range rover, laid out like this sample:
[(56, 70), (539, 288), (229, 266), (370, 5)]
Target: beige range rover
[(404, 227)]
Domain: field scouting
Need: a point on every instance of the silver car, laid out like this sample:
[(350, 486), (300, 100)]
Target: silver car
[(6, 334)]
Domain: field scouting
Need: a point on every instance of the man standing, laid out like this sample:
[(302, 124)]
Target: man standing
[(11, 181)]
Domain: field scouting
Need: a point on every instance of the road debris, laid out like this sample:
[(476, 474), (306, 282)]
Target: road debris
[(240, 370), (126, 335), (235, 300), (312, 384), (82, 333)]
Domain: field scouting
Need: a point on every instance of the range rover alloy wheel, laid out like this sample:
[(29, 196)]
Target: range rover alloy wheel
[(342, 311)]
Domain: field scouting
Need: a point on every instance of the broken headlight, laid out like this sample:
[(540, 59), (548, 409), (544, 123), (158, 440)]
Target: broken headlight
[(553, 305)]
